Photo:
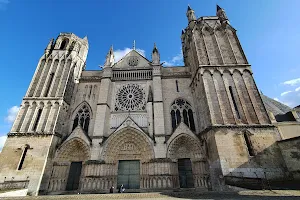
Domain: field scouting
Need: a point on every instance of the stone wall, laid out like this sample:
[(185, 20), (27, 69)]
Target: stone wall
[(288, 129), (229, 156), (34, 162), (290, 149)]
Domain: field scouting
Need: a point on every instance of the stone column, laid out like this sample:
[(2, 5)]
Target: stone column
[(52, 118), (150, 118), (28, 118), (159, 121), (18, 122), (102, 113)]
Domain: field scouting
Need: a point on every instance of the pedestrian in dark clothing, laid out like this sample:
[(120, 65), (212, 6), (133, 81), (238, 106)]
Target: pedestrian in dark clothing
[(111, 190)]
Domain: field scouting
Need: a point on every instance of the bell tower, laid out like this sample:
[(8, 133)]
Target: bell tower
[(39, 124), (228, 101)]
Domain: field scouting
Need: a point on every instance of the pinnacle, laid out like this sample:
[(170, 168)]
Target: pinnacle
[(155, 48), (189, 7), (218, 7)]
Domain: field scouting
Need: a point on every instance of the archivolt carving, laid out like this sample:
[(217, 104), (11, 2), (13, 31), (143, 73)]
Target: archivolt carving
[(73, 150), (127, 144), (184, 146)]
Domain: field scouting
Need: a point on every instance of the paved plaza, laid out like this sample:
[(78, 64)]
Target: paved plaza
[(256, 194)]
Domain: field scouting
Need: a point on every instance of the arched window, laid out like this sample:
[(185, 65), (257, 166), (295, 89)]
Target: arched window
[(181, 109), (64, 44), (23, 157), (83, 118)]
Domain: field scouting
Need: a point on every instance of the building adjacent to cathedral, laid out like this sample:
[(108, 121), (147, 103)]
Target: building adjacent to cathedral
[(203, 125)]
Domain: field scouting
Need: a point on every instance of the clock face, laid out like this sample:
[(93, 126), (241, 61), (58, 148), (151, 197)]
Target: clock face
[(130, 97), (133, 61)]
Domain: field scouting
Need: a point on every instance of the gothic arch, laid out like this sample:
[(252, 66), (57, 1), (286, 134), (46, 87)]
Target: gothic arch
[(72, 150), (127, 144), (182, 110), (82, 115), (80, 106), (185, 146)]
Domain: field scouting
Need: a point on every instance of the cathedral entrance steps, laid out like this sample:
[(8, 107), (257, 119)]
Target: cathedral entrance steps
[(248, 194)]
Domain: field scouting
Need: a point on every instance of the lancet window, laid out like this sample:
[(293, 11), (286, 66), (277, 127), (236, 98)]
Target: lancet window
[(82, 118), (182, 110)]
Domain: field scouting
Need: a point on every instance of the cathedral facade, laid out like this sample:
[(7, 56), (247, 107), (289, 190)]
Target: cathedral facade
[(137, 123)]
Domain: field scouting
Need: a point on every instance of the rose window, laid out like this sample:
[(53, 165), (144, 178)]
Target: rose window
[(130, 97), (133, 61)]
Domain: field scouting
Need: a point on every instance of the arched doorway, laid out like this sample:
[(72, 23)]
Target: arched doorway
[(186, 150), (67, 165), (127, 149)]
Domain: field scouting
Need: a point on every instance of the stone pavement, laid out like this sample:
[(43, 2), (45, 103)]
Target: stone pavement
[(253, 194)]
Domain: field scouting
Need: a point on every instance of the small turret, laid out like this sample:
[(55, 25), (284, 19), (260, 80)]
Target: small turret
[(222, 15), (155, 56), (190, 14), (49, 46), (110, 58)]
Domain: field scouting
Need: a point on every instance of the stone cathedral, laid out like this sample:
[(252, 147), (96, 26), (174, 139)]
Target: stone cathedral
[(202, 125)]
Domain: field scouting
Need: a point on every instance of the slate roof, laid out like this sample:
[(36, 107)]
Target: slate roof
[(274, 106)]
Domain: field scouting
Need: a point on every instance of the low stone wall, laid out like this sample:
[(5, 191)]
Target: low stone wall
[(290, 150), (14, 184)]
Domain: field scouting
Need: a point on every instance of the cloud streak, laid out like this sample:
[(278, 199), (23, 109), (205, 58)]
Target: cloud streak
[(2, 141), (292, 82), (175, 60), (120, 53), (12, 113), (285, 93), (3, 4)]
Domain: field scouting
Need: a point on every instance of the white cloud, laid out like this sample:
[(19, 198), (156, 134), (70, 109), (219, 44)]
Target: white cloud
[(276, 99), (290, 98), (176, 60), (292, 82), (12, 113), (285, 93), (2, 141), (297, 89), (3, 4), (119, 53)]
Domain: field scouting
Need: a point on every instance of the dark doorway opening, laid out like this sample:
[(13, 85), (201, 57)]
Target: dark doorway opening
[(186, 179), (74, 176), (129, 174)]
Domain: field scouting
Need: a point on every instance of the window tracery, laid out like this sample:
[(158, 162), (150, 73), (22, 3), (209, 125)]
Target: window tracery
[(83, 118), (181, 109), (130, 97)]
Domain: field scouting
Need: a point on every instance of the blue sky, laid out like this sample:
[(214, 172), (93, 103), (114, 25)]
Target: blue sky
[(268, 30)]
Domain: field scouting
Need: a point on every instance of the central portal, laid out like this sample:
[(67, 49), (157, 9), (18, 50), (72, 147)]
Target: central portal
[(186, 179), (129, 174)]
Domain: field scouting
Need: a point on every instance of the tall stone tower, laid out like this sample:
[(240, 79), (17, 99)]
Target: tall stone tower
[(39, 125), (232, 118)]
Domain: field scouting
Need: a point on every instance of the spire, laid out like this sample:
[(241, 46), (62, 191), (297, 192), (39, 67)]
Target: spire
[(155, 48), (190, 14), (110, 58), (85, 38), (133, 45), (155, 56), (182, 31), (222, 15)]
